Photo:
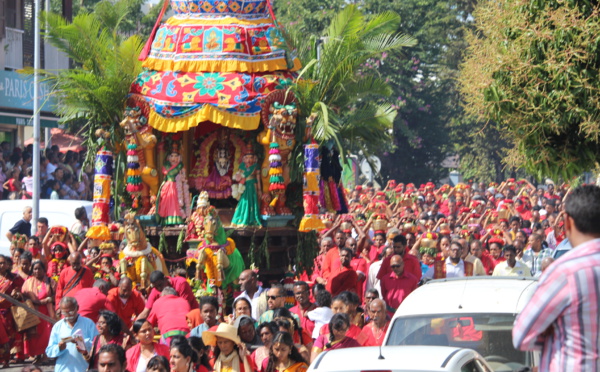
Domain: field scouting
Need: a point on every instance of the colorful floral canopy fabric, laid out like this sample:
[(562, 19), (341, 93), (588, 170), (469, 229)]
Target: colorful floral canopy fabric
[(214, 60)]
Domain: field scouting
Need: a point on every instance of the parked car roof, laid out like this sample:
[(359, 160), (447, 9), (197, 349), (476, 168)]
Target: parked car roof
[(469, 295), (396, 358)]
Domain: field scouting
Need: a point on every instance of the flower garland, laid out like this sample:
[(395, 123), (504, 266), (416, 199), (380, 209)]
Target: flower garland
[(106, 276), (210, 267), (134, 174), (213, 260), (58, 266), (276, 182)]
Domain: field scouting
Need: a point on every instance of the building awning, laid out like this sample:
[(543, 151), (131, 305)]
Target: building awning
[(27, 120), (64, 141)]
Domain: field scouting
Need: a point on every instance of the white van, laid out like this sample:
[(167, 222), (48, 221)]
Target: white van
[(476, 313), (58, 212), (400, 359)]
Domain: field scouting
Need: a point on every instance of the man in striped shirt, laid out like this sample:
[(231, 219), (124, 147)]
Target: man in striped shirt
[(562, 319), (535, 254)]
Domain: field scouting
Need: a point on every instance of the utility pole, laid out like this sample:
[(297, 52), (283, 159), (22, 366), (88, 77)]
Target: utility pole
[(36, 117)]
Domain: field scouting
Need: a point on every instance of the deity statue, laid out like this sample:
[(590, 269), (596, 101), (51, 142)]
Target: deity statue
[(217, 159), (195, 229), (217, 261), (173, 202), (247, 210), (139, 259)]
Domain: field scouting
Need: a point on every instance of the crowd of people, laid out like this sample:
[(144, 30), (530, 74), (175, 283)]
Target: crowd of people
[(61, 174), (368, 261)]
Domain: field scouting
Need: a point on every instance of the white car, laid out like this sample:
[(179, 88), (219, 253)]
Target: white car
[(58, 212), (476, 313), (400, 359)]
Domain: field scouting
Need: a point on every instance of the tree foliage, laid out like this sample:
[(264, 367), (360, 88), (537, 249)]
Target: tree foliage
[(349, 99), (105, 64), (533, 70), (134, 22), (310, 16), (424, 84)]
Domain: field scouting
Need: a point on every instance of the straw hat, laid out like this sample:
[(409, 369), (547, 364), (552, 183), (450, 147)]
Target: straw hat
[(224, 330)]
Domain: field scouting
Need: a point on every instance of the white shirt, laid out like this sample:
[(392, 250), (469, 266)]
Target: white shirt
[(28, 182), (372, 281), (452, 270), (321, 316), (520, 269), (50, 168), (254, 301)]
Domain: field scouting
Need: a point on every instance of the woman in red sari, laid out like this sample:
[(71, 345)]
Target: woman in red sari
[(10, 284), (336, 338), (40, 290)]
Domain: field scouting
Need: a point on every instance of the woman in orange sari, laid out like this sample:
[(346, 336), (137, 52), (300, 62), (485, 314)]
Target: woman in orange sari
[(40, 290), (10, 284), (284, 357)]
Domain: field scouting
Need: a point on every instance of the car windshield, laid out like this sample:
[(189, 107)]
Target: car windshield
[(489, 334)]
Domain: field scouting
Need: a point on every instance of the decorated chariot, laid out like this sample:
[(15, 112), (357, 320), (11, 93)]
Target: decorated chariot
[(210, 124)]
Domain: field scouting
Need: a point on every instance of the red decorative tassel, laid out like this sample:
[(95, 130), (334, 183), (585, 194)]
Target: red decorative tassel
[(311, 204), (335, 199)]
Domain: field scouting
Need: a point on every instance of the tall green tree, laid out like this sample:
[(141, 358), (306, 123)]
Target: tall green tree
[(349, 100), (532, 70), (105, 64), (425, 85), (422, 78), (134, 22), (310, 16)]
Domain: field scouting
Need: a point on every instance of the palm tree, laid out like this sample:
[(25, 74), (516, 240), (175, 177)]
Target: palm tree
[(340, 85), (92, 93)]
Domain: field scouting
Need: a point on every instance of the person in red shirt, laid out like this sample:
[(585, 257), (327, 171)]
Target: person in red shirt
[(483, 255), (345, 278), (168, 313), (127, 302), (92, 300), (303, 306), (331, 263), (398, 284), (359, 264), (376, 249), (317, 274), (73, 278), (159, 281), (375, 331), (411, 263), (495, 246)]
